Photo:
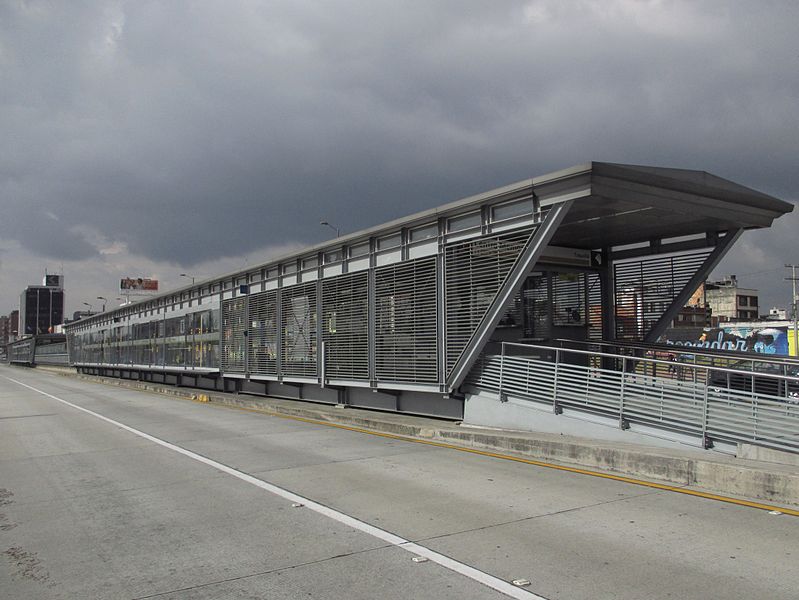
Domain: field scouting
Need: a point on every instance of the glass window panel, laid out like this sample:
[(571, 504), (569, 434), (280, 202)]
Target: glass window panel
[(359, 250), (510, 210), (310, 263), (333, 256), (464, 222), (424, 233), (390, 241)]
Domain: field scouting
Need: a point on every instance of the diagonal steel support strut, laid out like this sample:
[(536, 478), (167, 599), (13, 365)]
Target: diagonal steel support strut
[(513, 282), (713, 259)]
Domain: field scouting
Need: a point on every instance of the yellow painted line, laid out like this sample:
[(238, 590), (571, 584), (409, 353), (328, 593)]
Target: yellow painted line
[(528, 461)]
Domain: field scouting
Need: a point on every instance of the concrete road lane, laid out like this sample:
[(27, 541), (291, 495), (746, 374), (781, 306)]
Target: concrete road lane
[(89, 510)]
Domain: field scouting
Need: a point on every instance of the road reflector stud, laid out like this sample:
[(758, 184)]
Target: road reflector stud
[(774, 512), (419, 559), (297, 505), (521, 582)]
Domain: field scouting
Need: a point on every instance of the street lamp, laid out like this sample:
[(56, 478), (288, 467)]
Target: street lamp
[(336, 229), (189, 276), (104, 301), (89, 305)]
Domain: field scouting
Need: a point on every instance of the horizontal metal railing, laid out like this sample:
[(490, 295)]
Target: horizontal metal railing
[(692, 354), (52, 359), (711, 403), (51, 354)]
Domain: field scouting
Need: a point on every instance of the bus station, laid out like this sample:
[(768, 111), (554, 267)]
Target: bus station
[(513, 307)]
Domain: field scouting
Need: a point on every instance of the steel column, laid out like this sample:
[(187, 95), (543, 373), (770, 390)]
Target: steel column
[(371, 332), (246, 333), (279, 324), (607, 289), (441, 306), (320, 333)]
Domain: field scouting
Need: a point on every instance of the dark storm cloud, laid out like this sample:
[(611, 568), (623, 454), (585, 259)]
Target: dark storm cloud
[(194, 130)]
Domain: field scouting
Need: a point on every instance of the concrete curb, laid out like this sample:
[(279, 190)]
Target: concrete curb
[(714, 473)]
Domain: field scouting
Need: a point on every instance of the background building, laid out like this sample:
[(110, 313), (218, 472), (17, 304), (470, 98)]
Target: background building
[(693, 316), (5, 331), (696, 312), (730, 302), (13, 325), (41, 307), (9, 327), (777, 314)]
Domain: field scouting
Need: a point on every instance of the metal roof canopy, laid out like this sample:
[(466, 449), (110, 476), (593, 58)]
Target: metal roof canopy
[(614, 205), (630, 204)]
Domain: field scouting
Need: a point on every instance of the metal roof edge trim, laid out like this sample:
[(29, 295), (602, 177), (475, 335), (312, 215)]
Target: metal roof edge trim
[(418, 218), (665, 179)]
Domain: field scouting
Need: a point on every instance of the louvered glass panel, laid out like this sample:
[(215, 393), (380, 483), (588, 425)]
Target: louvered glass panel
[(513, 315), (645, 289), (594, 307), (535, 300), (475, 271), (405, 322), (298, 329), (263, 333), (233, 339), (568, 299), (345, 326)]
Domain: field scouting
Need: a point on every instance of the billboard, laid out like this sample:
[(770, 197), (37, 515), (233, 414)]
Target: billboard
[(54, 281), (138, 286)]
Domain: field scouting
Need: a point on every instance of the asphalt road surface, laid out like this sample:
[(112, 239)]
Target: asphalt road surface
[(112, 493)]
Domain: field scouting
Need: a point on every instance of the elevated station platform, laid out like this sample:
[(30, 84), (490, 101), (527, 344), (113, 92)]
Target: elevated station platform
[(407, 316)]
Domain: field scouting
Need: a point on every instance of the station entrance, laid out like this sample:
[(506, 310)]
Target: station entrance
[(585, 340), (554, 303)]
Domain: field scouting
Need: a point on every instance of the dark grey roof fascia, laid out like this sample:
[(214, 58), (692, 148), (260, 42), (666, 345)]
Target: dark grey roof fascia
[(700, 183)]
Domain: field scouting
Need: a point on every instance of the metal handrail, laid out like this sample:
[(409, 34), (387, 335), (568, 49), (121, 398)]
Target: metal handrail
[(659, 361), (789, 360), (695, 405)]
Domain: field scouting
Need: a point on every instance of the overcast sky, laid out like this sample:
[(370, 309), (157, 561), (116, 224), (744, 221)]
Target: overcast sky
[(153, 138)]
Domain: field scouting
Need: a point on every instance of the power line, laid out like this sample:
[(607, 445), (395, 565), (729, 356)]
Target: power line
[(757, 272)]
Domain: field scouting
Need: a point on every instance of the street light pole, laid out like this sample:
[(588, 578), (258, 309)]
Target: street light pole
[(89, 305), (334, 228), (104, 301), (794, 307), (189, 276)]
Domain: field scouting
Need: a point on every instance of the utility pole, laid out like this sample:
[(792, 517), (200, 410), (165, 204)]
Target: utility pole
[(793, 280)]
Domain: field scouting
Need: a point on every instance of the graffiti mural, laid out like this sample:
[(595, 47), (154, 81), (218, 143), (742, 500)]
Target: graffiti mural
[(742, 337)]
